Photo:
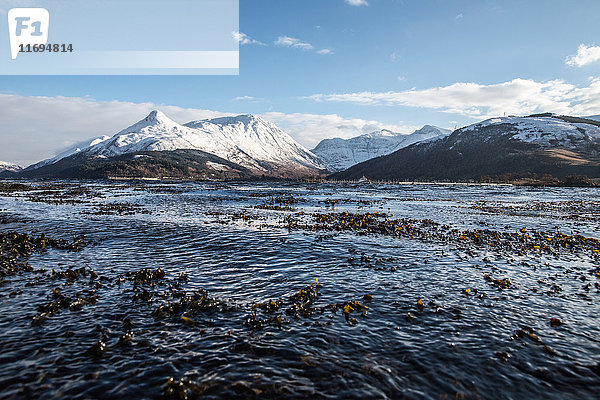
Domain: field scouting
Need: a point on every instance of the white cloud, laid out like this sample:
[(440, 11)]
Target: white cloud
[(35, 128), (310, 129), (585, 55), (248, 98), (244, 39), (519, 96), (357, 2), (286, 41), (459, 16)]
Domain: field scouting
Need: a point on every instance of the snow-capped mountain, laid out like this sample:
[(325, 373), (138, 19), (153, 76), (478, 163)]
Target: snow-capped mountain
[(9, 167), (538, 145), (340, 154), (246, 140)]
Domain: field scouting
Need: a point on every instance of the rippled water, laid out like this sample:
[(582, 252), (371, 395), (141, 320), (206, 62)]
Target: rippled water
[(460, 344)]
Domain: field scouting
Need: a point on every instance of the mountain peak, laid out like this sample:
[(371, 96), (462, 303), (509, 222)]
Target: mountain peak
[(387, 132), (431, 129), (156, 115), (155, 120)]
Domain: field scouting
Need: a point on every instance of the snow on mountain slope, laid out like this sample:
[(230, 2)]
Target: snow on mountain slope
[(70, 151), (340, 154), (9, 167), (259, 139), (543, 131), (594, 117), (246, 140)]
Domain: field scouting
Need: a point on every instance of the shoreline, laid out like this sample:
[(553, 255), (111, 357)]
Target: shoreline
[(581, 183)]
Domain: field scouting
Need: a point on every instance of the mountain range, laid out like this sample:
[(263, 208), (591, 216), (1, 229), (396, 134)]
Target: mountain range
[(339, 154), (245, 144), (537, 145), (249, 147)]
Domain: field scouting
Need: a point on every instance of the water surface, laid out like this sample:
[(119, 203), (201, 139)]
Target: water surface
[(438, 324)]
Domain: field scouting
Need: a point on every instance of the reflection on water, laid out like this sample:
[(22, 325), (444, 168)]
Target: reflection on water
[(440, 321)]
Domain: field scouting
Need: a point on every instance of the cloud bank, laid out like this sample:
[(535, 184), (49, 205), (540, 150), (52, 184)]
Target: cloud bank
[(519, 96)]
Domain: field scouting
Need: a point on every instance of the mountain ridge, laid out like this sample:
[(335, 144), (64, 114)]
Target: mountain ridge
[(340, 154)]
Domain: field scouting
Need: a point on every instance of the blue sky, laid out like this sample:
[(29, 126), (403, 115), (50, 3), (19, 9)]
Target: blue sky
[(387, 63)]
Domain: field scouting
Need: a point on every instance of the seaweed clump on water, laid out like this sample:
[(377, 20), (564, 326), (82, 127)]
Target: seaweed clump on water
[(16, 248), (498, 283), (350, 307), (297, 305), (375, 222), (147, 276), (521, 242), (376, 263), (281, 203), (14, 187), (117, 209), (300, 305), (191, 305), (58, 302)]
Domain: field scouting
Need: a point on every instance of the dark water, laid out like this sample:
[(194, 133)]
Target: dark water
[(470, 338)]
